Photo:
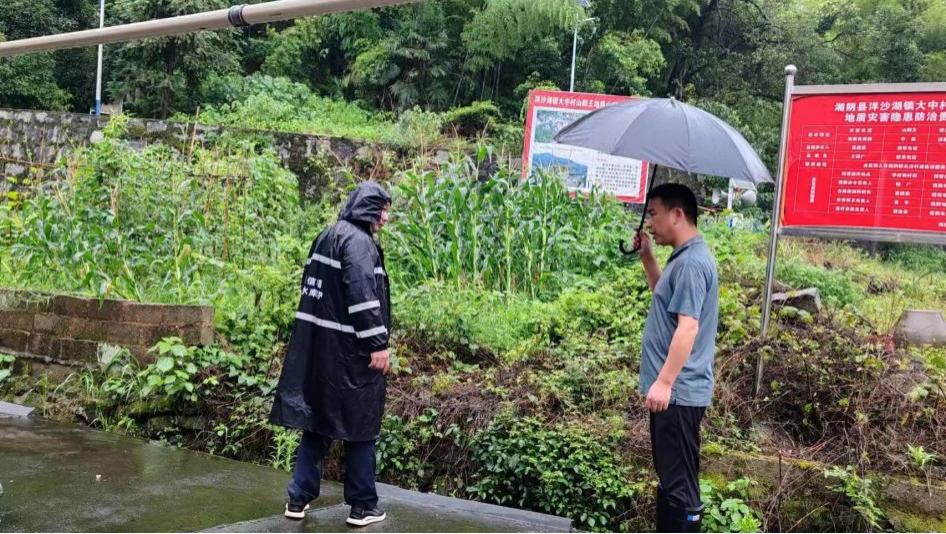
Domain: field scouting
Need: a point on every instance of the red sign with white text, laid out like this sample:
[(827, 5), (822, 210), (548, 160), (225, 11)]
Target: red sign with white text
[(583, 169), (872, 161)]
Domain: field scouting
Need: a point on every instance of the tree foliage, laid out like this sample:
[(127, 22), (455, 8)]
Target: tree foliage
[(452, 53)]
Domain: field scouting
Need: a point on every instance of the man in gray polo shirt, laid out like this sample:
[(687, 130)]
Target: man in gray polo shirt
[(678, 351)]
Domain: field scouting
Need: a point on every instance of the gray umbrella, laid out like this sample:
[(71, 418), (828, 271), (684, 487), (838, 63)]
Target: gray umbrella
[(665, 131)]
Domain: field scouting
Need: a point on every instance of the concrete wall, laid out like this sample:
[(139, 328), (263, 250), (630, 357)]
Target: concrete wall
[(74, 332), (901, 498), (37, 140)]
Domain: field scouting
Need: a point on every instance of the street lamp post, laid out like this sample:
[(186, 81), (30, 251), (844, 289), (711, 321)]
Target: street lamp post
[(571, 87), (98, 75), (585, 4)]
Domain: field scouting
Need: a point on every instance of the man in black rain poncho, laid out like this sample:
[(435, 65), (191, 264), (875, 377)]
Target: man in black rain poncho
[(333, 381)]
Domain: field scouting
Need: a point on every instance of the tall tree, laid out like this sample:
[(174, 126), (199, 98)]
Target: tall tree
[(155, 76), (28, 82), (409, 66), (504, 29), (75, 67), (32, 81)]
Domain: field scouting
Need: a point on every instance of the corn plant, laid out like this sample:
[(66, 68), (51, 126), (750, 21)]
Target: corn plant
[(154, 225), (499, 233)]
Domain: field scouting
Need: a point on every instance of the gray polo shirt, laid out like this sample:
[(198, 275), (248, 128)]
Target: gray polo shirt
[(689, 285)]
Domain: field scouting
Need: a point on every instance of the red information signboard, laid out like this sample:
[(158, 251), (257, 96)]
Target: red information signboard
[(873, 161)]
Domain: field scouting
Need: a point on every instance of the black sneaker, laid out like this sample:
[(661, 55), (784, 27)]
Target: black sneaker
[(296, 510), (360, 517)]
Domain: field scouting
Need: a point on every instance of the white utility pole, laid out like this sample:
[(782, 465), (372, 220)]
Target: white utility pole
[(98, 72), (571, 87)]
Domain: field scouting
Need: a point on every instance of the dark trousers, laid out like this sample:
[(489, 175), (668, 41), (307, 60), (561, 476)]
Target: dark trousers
[(675, 441), (359, 471)]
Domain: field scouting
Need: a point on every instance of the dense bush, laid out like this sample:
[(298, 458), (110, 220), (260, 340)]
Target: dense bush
[(560, 470)]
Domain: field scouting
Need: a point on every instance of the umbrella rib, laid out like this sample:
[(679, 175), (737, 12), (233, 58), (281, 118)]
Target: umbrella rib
[(732, 141), (686, 123)]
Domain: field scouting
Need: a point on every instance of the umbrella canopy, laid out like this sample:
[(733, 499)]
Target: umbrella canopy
[(665, 131)]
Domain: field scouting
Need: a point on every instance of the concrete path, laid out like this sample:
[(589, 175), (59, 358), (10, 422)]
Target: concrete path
[(68, 478)]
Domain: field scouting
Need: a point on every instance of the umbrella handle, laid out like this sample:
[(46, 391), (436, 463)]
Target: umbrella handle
[(650, 186), (624, 250), (621, 243)]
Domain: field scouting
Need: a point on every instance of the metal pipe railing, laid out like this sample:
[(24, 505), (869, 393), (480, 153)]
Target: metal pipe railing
[(236, 16)]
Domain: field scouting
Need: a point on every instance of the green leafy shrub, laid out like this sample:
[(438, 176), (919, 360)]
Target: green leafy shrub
[(726, 506), (6, 366), (860, 493), (414, 453), (560, 470), (475, 119)]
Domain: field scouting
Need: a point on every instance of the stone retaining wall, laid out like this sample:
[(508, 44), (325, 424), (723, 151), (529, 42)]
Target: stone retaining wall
[(66, 331)]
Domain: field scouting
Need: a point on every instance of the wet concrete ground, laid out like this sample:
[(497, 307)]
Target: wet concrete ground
[(69, 478)]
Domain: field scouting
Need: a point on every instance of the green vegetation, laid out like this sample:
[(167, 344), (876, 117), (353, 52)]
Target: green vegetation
[(518, 330), (518, 323)]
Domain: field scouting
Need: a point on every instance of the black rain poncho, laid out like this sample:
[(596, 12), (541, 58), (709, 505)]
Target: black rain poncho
[(344, 315)]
